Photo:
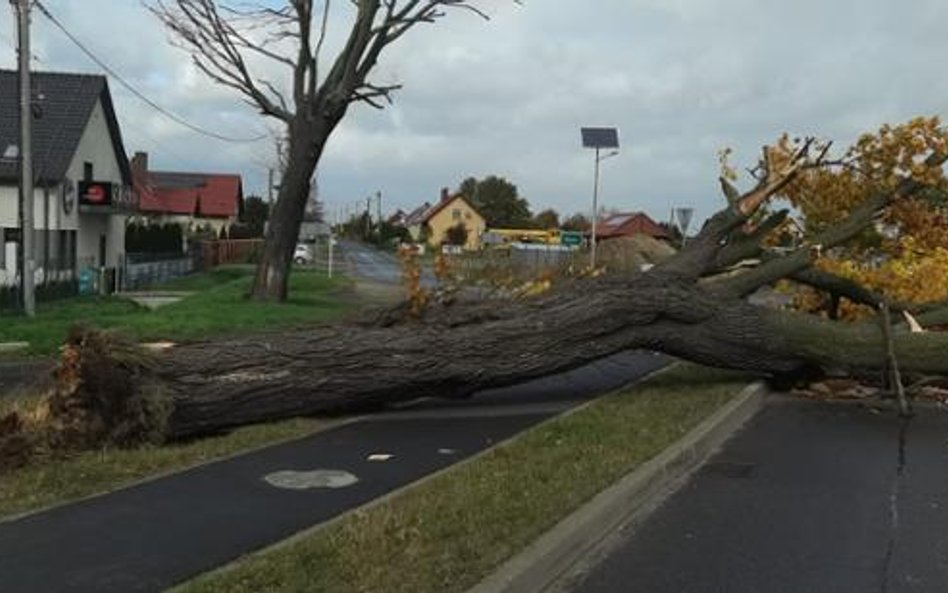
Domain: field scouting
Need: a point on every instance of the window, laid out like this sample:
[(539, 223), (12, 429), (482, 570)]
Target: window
[(87, 171), (456, 214), (3, 249)]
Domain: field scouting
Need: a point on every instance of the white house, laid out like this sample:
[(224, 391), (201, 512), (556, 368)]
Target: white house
[(82, 173)]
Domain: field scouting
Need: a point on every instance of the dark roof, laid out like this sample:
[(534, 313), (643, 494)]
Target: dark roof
[(417, 216), (63, 104)]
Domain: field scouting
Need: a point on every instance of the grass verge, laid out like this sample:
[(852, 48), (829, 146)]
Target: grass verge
[(219, 306), (448, 533), (56, 481)]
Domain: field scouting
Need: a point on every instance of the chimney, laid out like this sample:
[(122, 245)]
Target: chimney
[(139, 167), (445, 194)]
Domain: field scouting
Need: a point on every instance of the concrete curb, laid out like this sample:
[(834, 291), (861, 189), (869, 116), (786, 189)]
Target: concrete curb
[(572, 539)]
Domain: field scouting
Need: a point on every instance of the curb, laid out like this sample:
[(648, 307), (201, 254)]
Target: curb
[(571, 540)]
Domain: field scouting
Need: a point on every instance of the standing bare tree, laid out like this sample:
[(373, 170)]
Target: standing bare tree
[(223, 39)]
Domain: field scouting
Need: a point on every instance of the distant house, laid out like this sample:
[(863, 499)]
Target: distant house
[(450, 211), (399, 218), (187, 198), (82, 192), (415, 221), (625, 224)]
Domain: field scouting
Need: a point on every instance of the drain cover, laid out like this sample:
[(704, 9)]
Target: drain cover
[(731, 469), (305, 480)]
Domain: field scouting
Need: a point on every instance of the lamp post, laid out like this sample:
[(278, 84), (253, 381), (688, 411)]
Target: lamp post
[(598, 139)]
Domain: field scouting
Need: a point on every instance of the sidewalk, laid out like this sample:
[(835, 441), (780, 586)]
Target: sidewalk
[(151, 536), (809, 497)]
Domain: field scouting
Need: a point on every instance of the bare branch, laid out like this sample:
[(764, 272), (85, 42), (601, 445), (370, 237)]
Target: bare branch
[(215, 47)]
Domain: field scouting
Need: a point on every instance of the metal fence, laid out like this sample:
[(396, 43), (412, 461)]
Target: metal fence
[(138, 273)]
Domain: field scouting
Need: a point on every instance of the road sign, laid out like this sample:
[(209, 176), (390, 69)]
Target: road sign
[(571, 238)]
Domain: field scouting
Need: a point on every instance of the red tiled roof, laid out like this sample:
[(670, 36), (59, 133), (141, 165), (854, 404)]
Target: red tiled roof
[(630, 223), (198, 194)]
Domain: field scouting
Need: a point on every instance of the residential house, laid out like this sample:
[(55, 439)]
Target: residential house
[(415, 221), (450, 211), (625, 224), (82, 177), (399, 218), (191, 199)]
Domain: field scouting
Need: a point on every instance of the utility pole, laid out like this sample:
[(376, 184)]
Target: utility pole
[(595, 215), (368, 217), (378, 210), (26, 158)]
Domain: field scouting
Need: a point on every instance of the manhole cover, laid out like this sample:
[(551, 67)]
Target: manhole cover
[(305, 480), (731, 469)]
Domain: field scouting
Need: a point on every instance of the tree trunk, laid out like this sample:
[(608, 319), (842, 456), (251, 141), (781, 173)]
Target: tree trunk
[(307, 140), (685, 307), (350, 367)]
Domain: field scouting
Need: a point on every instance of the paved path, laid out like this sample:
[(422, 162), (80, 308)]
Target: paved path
[(372, 264), (809, 497), (151, 536)]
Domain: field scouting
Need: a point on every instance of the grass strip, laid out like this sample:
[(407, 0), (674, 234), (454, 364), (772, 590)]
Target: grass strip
[(218, 307), (55, 481), (448, 533)]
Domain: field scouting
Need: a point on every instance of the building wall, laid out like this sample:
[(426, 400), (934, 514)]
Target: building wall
[(457, 211), (95, 147), (49, 215)]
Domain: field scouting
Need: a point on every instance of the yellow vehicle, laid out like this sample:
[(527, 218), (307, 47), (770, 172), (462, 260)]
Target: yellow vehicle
[(504, 237)]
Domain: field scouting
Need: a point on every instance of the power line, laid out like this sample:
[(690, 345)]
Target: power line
[(177, 119)]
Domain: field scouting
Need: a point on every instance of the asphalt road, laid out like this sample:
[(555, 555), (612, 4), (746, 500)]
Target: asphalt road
[(377, 266), (151, 536), (809, 497)]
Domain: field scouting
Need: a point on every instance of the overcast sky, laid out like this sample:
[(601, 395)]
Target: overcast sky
[(681, 79)]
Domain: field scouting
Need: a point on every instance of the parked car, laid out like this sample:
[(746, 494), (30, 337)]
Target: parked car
[(303, 254)]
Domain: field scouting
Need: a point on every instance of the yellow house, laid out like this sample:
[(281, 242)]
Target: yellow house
[(451, 211)]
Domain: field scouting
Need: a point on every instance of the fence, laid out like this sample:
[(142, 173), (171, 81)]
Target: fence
[(142, 270), (54, 279), (137, 273), (230, 251), (517, 264)]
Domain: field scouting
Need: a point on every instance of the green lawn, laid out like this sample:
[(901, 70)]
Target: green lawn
[(218, 306), (448, 533)]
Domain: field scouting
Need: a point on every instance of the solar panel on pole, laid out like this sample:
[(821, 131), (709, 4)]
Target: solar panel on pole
[(600, 137)]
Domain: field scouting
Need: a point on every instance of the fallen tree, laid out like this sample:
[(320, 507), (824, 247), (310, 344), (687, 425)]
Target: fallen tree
[(692, 305)]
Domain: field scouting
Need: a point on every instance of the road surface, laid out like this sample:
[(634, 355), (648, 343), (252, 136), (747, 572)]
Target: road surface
[(810, 497)]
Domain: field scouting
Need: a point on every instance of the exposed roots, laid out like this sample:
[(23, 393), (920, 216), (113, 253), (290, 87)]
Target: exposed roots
[(102, 397)]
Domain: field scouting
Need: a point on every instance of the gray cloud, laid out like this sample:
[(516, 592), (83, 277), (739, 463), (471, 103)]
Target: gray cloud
[(680, 78)]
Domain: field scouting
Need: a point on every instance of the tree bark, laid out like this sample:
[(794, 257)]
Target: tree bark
[(350, 367), (307, 140)]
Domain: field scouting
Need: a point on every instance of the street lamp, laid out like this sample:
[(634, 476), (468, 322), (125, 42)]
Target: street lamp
[(598, 139)]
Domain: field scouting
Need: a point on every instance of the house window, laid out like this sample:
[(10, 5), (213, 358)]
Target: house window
[(456, 214), (3, 250), (87, 172)]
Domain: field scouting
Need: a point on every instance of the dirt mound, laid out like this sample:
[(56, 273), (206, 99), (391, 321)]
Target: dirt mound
[(626, 254)]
